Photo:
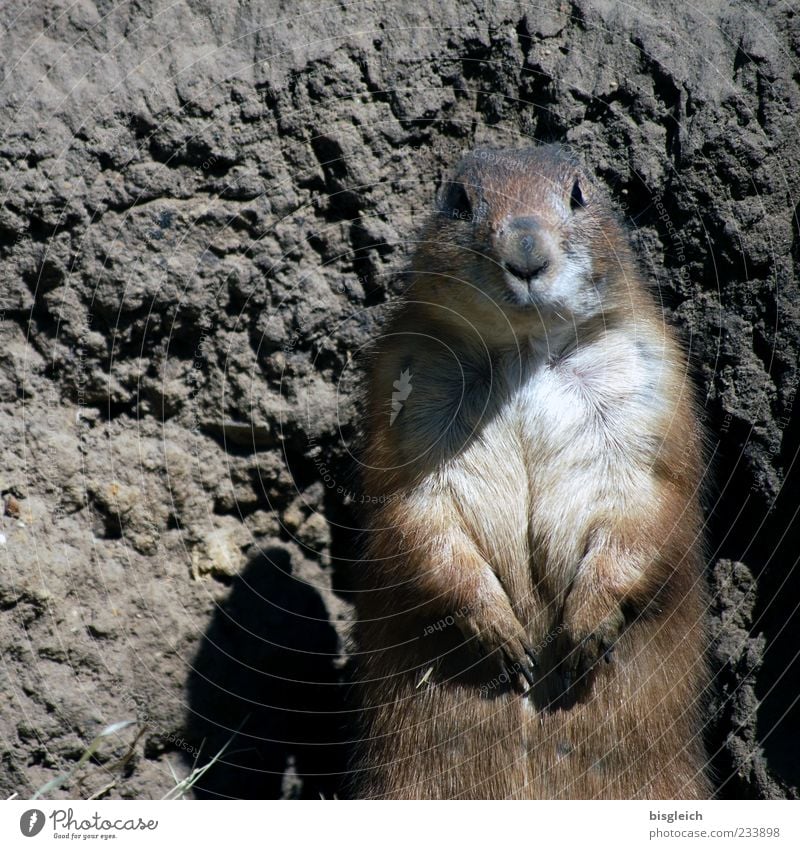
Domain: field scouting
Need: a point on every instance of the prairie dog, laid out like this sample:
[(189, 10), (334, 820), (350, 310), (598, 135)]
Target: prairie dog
[(530, 621)]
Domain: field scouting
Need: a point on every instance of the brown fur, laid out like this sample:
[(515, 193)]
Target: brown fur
[(483, 548)]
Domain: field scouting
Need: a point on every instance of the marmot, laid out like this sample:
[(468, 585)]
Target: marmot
[(530, 607)]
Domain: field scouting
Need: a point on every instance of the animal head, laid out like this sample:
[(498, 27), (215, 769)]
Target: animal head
[(525, 230)]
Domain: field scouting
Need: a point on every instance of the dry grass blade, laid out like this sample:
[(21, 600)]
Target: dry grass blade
[(93, 747), (184, 785)]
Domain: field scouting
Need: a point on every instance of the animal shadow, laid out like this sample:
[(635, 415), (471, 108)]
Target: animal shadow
[(265, 681)]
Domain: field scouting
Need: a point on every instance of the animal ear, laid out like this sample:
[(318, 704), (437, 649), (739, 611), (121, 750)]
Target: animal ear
[(576, 200), (455, 202)]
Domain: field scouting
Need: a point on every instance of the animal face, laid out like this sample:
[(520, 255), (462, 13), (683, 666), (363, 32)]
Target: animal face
[(521, 229)]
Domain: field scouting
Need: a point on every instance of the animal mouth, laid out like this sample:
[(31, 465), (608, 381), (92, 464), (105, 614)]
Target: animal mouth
[(522, 294), (526, 275)]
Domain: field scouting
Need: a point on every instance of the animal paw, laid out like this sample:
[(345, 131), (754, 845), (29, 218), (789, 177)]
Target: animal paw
[(499, 633), (583, 645)]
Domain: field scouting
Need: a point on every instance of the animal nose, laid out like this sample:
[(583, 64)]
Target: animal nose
[(524, 250)]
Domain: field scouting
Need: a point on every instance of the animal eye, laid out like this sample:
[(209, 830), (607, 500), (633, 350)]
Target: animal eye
[(456, 202), (576, 200)]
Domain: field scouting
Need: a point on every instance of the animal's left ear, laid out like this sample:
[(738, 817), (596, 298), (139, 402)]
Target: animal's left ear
[(576, 199), (454, 200)]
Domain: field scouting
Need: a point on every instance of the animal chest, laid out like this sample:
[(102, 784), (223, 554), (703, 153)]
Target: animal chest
[(559, 445)]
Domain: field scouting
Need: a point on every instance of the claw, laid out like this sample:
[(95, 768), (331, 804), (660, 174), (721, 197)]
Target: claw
[(534, 664), (532, 657), (528, 675), (516, 671)]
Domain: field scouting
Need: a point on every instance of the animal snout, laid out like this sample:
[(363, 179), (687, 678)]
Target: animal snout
[(523, 248)]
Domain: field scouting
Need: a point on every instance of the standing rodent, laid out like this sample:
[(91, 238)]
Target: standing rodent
[(531, 603)]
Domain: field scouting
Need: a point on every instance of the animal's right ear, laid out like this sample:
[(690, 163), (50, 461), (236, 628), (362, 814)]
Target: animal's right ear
[(454, 201)]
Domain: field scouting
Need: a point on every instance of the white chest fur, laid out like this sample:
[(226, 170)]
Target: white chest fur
[(590, 422)]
